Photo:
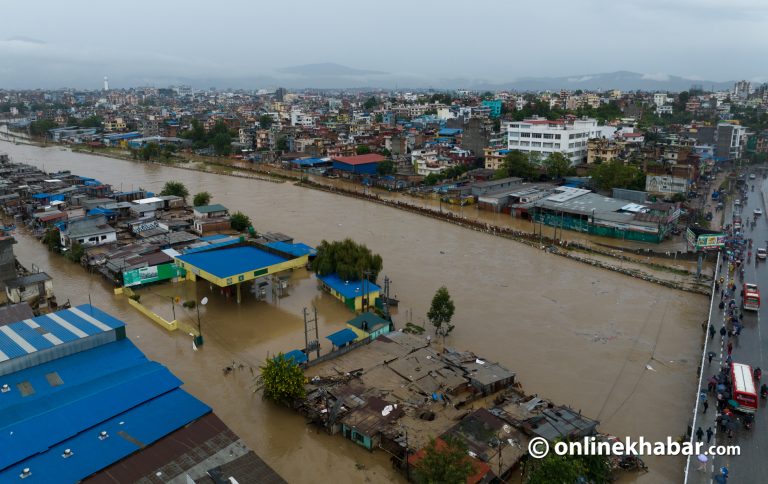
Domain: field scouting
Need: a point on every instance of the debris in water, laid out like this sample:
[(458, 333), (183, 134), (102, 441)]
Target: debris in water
[(649, 367)]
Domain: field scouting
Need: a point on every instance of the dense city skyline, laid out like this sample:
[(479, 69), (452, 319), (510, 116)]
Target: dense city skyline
[(425, 44)]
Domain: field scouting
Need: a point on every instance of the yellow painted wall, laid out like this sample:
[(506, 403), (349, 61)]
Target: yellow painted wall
[(359, 332), (371, 300), (246, 276)]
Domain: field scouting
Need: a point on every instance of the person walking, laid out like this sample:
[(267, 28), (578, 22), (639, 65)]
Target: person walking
[(709, 434), (699, 433), (711, 331), (710, 355), (730, 348), (706, 406), (723, 332)]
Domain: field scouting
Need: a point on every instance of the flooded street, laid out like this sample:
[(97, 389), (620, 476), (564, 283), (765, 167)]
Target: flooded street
[(575, 334)]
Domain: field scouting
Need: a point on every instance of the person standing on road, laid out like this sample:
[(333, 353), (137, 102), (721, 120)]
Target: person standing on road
[(723, 332), (706, 406), (712, 331), (699, 433), (709, 434)]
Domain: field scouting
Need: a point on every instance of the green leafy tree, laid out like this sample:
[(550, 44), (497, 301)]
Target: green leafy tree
[(175, 188), (52, 239), (618, 175), (568, 469), (555, 469), (386, 167), (557, 166), (441, 312), (265, 121), (282, 144), (41, 127), (76, 252), (149, 151), (347, 259), (91, 122), (444, 463), (283, 380), (239, 221), (362, 149), (202, 198), (370, 103), (222, 144), (518, 164)]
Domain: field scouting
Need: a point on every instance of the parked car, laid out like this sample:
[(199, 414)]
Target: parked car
[(752, 176), (762, 253)]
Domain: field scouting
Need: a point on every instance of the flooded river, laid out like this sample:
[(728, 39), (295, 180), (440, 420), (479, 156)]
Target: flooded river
[(619, 349)]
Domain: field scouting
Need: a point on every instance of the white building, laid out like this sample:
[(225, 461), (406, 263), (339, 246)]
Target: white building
[(660, 98), (426, 162), (542, 136), (664, 109), (298, 118)]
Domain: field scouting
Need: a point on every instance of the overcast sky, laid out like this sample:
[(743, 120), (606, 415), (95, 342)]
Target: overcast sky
[(76, 42)]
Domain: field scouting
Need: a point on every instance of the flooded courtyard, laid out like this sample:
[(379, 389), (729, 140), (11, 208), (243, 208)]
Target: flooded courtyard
[(620, 350)]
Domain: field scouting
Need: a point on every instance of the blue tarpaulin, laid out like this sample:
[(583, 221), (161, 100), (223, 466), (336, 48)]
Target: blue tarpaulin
[(298, 356)]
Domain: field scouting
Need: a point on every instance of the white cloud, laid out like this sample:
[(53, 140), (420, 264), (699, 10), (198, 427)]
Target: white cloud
[(656, 77)]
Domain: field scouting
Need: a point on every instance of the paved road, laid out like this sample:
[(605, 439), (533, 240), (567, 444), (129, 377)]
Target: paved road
[(750, 348)]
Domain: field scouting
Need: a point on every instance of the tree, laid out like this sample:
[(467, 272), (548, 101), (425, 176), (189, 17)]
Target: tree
[(518, 164), (370, 103), (282, 144), (202, 198), (347, 259), (618, 175), (265, 121), (678, 197), (149, 151), (557, 166), (594, 469), (222, 144), (441, 312), (386, 167), (76, 252), (91, 122), (175, 188), (445, 461), (41, 127), (362, 149), (52, 239), (239, 221), (283, 380)]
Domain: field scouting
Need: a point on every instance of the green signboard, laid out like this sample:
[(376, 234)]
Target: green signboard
[(705, 241), (145, 275)]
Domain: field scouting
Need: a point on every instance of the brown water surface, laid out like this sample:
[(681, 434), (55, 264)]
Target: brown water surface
[(578, 335)]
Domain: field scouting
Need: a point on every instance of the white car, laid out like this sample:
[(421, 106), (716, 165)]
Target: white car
[(758, 212), (737, 202), (762, 253), (752, 176)]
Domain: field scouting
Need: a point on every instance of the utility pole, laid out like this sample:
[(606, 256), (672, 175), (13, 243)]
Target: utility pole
[(314, 344)]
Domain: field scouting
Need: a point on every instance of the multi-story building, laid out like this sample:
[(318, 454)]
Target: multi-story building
[(729, 141), (602, 150), (543, 136)]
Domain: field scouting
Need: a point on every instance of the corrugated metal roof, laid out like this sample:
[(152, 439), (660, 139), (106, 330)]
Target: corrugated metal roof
[(340, 338), (112, 388), (225, 263), (348, 288), (128, 432), (22, 338)]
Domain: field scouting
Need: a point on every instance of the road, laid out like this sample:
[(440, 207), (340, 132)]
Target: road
[(751, 348)]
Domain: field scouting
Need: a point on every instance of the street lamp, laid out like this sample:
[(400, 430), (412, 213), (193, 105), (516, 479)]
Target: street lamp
[(199, 337)]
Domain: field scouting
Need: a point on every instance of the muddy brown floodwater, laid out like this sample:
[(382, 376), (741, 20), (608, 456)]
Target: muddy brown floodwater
[(619, 349)]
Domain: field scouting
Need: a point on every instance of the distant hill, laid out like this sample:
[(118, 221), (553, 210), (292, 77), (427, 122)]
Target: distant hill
[(336, 76)]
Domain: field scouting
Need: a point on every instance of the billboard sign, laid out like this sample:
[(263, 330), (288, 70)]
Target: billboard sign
[(705, 241)]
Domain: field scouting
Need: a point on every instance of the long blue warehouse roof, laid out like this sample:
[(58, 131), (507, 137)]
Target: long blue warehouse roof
[(348, 288), (127, 433), (340, 338), (296, 250), (44, 332), (66, 402), (225, 263)]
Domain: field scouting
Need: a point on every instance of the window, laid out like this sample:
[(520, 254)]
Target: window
[(557, 136), (572, 135), (537, 135), (103, 237), (525, 135), (549, 136)]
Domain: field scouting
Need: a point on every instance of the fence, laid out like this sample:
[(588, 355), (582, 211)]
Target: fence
[(338, 352), (162, 322)]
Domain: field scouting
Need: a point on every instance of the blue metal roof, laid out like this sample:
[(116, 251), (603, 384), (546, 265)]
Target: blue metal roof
[(112, 388), (143, 425), (214, 237), (449, 132), (22, 338), (340, 338), (296, 250), (348, 288), (41, 196), (298, 356), (231, 262)]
